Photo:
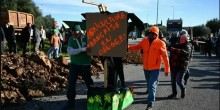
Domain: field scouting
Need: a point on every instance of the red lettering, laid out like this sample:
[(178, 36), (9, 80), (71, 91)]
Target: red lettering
[(108, 39), (105, 31), (122, 37), (117, 25), (91, 32), (90, 44), (103, 43), (113, 44), (101, 52), (122, 14), (117, 42), (104, 50)]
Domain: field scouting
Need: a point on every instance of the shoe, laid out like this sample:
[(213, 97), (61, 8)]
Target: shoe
[(149, 107), (183, 93), (172, 96)]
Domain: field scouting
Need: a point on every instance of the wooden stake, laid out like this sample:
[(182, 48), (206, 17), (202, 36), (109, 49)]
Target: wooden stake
[(106, 73)]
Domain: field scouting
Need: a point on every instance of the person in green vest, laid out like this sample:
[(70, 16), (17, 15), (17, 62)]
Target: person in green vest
[(79, 63)]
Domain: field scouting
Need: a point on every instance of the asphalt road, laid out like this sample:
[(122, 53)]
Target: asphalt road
[(202, 90)]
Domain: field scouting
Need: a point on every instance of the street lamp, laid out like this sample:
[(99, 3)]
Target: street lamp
[(173, 11)]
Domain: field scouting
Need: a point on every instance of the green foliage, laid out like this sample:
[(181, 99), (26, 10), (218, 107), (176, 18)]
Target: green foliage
[(201, 30), (163, 30), (213, 24), (28, 6), (39, 21), (9, 4), (48, 21)]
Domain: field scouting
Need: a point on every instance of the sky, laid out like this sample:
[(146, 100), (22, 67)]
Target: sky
[(192, 12)]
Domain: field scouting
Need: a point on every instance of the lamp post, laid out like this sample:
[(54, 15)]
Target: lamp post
[(157, 12), (173, 11)]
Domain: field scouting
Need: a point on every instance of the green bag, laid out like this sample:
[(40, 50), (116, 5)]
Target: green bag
[(99, 98), (125, 99)]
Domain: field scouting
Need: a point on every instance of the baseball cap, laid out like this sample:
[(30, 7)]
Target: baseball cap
[(183, 32), (77, 28), (154, 29)]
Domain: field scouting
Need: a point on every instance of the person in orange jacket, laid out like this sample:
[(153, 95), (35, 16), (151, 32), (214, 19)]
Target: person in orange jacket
[(154, 51)]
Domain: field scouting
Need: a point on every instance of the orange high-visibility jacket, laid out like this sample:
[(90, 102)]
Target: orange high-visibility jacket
[(153, 54)]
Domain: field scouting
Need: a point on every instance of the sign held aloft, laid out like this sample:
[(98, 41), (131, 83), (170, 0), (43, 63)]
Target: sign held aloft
[(107, 34)]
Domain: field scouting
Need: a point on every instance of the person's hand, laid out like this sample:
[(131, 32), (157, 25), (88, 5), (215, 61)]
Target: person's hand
[(166, 74), (171, 48), (88, 49)]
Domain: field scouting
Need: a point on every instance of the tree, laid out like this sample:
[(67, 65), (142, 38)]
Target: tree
[(201, 31), (39, 21), (28, 6), (48, 21), (8, 4), (214, 25)]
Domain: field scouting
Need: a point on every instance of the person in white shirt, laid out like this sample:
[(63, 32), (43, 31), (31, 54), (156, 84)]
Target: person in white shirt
[(43, 37)]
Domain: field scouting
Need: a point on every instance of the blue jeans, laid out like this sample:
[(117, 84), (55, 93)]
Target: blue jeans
[(75, 71), (186, 77), (177, 78), (152, 82), (56, 52)]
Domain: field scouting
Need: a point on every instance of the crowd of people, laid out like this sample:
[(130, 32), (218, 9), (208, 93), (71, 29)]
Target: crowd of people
[(153, 47), (208, 46), (154, 50), (32, 39)]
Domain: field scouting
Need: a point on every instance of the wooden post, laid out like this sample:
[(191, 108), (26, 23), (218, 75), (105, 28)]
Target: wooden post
[(191, 29), (106, 73)]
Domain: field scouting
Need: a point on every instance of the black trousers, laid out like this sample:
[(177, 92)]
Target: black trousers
[(12, 46), (115, 69), (75, 71), (41, 47)]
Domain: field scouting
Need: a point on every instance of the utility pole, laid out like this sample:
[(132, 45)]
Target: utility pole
[(157, 12), (173, 11)]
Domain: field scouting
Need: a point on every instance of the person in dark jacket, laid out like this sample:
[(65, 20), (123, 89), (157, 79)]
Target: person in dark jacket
[(179, 62), (26, 35), (10, 37), (217, 46), (2, 38), (208, 45)]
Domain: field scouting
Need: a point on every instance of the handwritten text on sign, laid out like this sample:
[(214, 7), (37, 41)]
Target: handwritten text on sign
[(107, 34)]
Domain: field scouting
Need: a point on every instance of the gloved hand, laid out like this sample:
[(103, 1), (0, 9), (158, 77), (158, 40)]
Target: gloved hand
[(88, 49)]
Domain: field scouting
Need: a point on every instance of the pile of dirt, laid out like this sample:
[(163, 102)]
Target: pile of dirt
[(24, 78), (34, 75), (133, 57)]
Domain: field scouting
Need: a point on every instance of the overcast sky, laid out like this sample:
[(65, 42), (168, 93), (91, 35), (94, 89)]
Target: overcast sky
[(192, 12)]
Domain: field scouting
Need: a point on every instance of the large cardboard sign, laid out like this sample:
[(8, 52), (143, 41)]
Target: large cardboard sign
[(107, 34)]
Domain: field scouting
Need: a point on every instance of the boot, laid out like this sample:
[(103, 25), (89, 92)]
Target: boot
[(183, 93)]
